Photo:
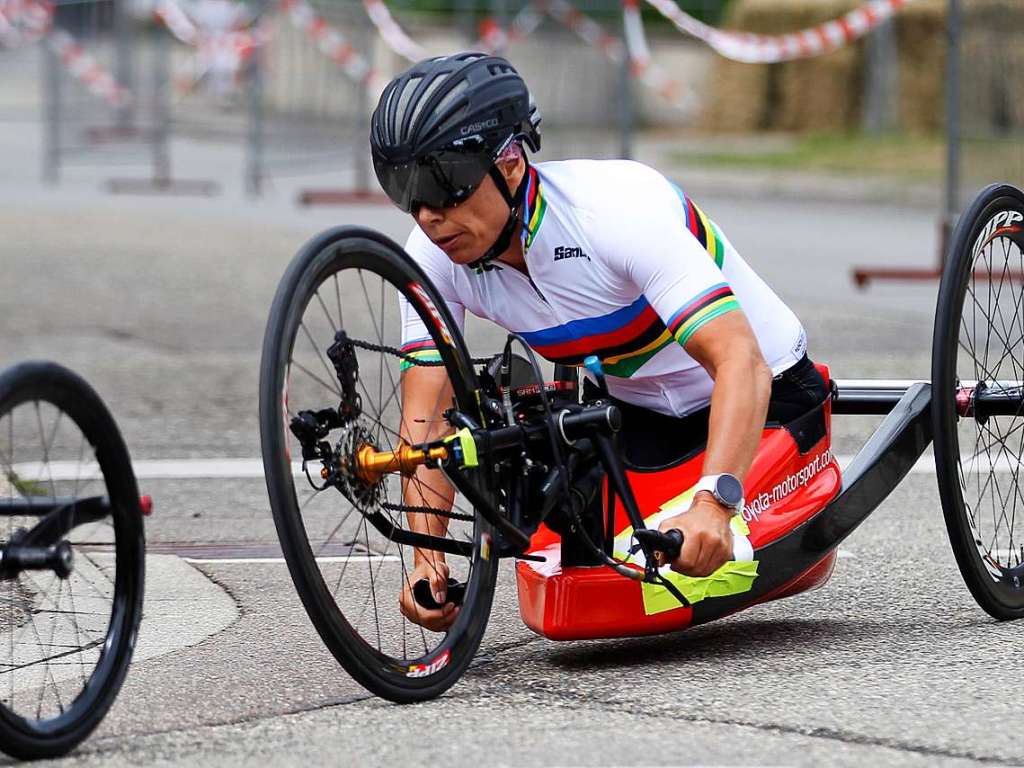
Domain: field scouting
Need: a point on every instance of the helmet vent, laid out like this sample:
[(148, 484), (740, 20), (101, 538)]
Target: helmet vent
[(401, 124), (425, 96), (450, 98)]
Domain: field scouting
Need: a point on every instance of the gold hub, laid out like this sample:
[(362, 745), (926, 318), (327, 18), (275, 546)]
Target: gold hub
[(372, 465)]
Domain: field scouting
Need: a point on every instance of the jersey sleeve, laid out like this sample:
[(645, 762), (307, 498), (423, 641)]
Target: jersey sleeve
[(671, 253), (417, 343)]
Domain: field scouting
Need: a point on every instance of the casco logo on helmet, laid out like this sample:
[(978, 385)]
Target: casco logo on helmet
[(477, 127)]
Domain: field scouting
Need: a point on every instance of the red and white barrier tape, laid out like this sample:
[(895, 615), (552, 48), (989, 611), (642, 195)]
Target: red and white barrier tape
[(494, 38), (332, 44), (218, 51), (636, 48), (24, 21), (393, 35), (814, 41), (641, 64), (84, 68), (177, 21), (586, 28)]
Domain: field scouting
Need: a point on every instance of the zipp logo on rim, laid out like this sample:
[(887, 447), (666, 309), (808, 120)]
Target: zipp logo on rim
[(569, 252), (1000, 224), (426, 670), (428, 305)]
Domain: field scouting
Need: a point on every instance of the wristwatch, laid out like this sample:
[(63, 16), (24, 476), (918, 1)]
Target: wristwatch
[(726, 488)]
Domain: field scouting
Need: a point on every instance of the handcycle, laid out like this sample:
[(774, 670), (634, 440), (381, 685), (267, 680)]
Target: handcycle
[(71, 560), (518, 467)]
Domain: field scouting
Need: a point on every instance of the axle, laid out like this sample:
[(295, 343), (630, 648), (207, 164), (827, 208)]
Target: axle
[(974, 399), (372, 465)]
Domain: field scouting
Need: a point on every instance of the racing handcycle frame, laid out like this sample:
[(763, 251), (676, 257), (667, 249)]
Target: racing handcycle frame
[(505, 430)]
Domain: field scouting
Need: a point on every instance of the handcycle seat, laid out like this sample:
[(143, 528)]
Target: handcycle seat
[(793, 476)]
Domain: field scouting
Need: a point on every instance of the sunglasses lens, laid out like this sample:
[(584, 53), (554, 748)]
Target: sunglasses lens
[(439, 180)]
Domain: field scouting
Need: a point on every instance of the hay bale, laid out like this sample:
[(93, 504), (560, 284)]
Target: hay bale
[(921, 41), (826, 93)]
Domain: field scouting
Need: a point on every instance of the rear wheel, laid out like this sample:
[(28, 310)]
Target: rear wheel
[(345, 284), (978, 354), (66, 639)]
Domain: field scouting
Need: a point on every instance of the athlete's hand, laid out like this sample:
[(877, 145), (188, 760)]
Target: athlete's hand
[(439, 619), (707, 537)]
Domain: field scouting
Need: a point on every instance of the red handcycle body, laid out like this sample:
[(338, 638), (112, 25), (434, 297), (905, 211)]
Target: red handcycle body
[(785, 487)]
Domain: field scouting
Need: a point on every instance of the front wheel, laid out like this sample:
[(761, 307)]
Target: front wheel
[(978, 401), (332, 357), (66, 634)]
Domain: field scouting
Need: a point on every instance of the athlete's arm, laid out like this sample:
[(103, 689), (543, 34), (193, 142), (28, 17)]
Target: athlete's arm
[(728, 351), (426, 393), (682, 280)]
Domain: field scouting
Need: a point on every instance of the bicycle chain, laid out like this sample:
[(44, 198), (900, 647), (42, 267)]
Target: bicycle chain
[(425, 510), (409, 358)]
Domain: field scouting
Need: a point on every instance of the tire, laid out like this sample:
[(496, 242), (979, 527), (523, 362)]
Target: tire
[(77, 690), (385, 659), (979, 336)]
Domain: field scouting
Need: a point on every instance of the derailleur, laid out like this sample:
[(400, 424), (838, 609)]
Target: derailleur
[(342, 354)]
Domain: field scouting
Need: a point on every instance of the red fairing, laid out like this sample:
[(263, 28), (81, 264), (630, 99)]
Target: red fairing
[(783, 489)]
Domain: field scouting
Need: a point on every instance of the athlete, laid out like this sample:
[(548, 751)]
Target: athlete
[(582, 257)]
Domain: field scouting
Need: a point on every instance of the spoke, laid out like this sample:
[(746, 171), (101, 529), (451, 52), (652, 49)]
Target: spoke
[(336, 388), (333, 390), (46, 453), (337, 296), (323, 306)]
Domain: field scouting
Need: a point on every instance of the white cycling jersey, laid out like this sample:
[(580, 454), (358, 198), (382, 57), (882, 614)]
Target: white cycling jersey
[(622, 265)]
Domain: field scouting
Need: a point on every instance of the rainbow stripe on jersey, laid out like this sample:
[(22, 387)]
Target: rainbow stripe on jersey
[(704, 229), (422, 350), (627, 338), (714, 302), (536, 207)]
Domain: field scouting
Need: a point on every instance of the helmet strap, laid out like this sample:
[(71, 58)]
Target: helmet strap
[(515, 204)]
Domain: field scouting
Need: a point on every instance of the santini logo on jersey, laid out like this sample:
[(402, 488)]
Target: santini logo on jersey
[(566, 252)]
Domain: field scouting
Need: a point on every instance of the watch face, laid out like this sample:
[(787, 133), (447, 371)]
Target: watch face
[(729, 490)]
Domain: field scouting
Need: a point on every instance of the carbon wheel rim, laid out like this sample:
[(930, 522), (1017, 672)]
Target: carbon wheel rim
[(357, 573), (989, 362), (65, 643)]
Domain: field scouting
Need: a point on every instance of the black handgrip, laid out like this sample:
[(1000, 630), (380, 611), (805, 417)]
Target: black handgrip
[(456, 593), (605, 418), (669, 543)]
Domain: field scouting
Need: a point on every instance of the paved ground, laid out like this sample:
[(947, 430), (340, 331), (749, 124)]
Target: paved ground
[(161, 304)]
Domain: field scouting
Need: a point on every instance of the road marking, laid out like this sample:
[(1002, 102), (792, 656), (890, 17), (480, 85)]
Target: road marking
[(282, 561), (240, 469)]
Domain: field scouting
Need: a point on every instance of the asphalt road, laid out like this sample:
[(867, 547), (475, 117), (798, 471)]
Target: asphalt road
[(161, 304)]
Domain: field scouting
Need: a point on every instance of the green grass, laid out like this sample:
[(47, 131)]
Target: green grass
[(910, 158)]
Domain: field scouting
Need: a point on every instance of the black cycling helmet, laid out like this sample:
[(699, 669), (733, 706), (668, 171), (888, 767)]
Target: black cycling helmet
[(439, 127)]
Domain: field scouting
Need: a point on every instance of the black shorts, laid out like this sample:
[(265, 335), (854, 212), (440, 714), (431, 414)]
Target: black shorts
[(651, 439)]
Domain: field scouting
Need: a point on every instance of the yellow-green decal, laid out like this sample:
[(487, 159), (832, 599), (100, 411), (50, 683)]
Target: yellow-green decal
[(733, 578)]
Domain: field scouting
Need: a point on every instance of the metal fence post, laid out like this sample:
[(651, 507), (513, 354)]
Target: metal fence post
[(627, 107), (124, 68), (881, 79), (952, 202), (51, 107), (255, 124), (161, 109), (361, 139)]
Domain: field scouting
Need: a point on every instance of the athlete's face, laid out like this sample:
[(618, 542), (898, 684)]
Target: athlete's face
[(465, 231)]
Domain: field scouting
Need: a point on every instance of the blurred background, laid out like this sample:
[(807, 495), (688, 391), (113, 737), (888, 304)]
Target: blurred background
[(162, 160), (272, 97)]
